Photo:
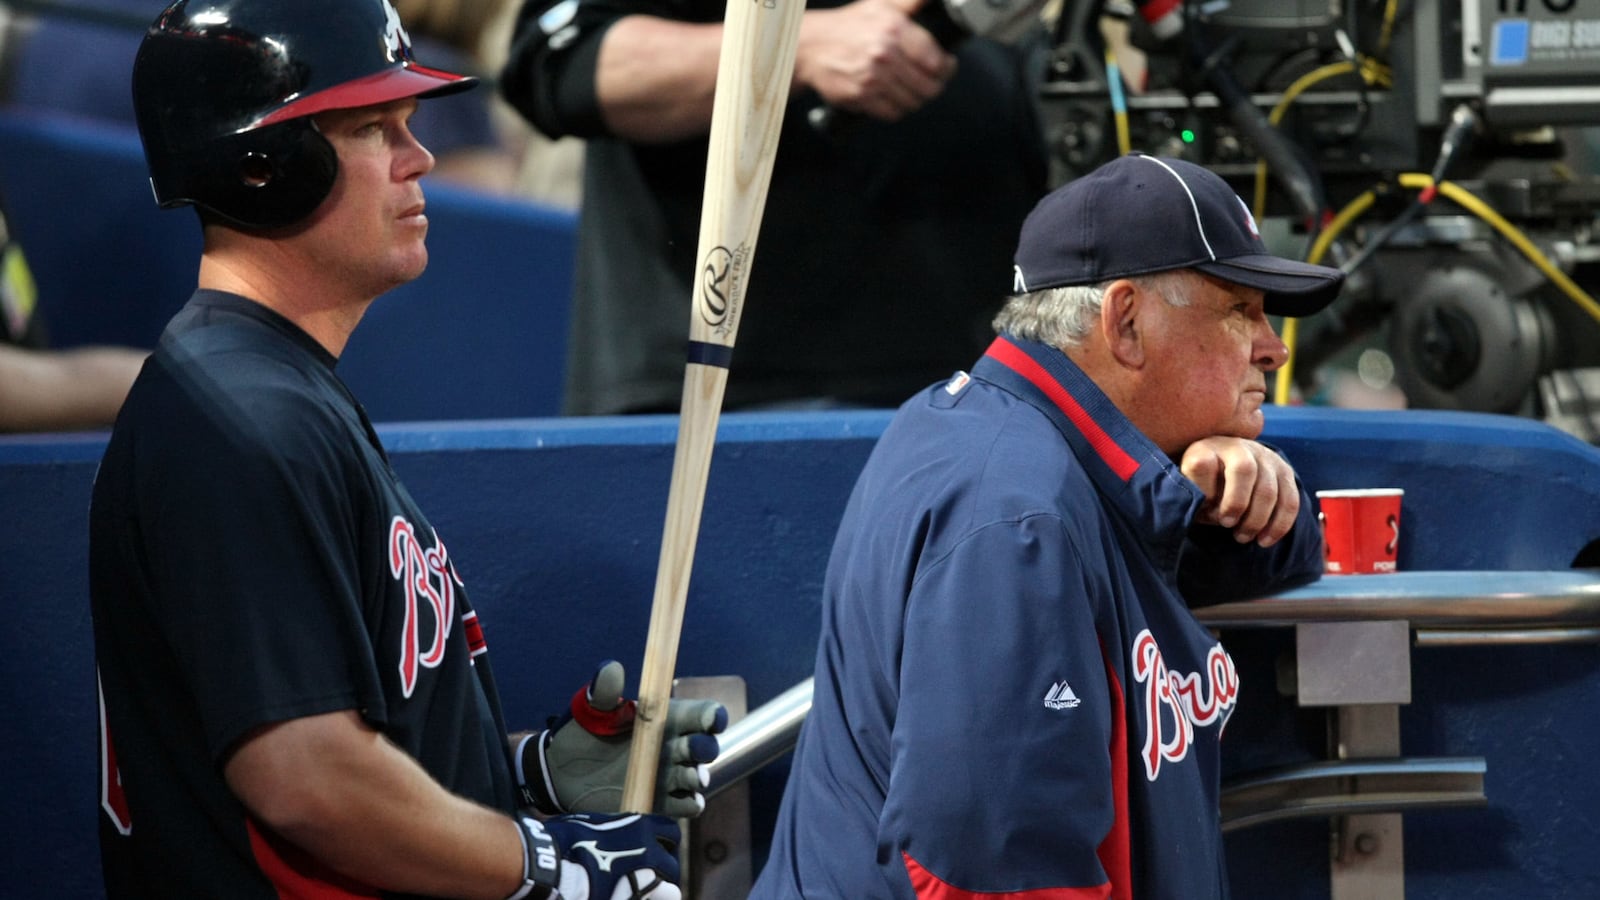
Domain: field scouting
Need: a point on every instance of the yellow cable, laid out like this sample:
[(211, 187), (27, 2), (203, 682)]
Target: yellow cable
[(1468, 201), (1119, 106), (1462, 198), (1370, 70), (1291, 327), (1281, 393), (1389, 15)]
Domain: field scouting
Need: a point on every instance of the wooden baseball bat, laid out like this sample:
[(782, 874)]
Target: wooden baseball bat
[(753, 76)]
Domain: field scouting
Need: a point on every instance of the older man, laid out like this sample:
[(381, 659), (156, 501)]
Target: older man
[(1012, 696)]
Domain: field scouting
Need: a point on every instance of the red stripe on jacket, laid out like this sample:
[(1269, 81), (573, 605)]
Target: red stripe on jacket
[(1115, 850), (929, 887), (1012, 357)]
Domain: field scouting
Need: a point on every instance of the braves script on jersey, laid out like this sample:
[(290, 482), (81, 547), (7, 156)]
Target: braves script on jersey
[(254, 559), (1011, 694)]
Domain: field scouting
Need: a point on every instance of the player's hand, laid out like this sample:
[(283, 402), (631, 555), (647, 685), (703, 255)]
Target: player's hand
[(630, 857), (870, 57), (1247, 488), (579, 763)]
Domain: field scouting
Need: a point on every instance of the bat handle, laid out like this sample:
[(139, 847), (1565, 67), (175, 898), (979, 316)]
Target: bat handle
[(649, 729)]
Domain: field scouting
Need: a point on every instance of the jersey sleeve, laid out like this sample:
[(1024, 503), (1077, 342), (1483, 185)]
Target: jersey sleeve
[(1003, 763), (253, 530)]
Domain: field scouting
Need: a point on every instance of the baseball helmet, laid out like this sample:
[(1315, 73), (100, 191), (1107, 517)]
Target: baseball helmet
[(223, 92)]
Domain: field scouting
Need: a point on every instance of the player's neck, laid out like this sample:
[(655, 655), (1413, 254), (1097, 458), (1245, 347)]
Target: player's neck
[(326, 311)]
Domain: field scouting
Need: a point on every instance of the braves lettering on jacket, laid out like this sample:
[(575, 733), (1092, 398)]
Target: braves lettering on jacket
[(1176, 703)]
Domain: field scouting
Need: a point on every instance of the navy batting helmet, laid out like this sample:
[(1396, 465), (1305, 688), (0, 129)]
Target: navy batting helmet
[(223, 91)]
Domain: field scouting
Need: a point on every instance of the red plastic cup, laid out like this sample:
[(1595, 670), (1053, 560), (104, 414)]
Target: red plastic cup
[(1360, 530)]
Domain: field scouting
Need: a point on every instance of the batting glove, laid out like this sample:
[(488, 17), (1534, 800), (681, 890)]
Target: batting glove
[(593, 857), (579, 763)]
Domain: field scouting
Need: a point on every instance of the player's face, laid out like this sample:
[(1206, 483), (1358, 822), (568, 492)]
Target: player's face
[(371, 228), (1209, 363)]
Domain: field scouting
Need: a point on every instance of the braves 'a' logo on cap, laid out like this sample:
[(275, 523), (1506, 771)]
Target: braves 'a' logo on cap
[(1249, 220), (394, 34)]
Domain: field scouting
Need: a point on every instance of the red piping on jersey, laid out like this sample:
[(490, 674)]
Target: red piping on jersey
[(296, 875), (1012, 357), (929, 887), (473, 629)]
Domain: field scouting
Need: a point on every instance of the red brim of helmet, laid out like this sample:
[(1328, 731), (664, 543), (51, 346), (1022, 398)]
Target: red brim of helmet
[(397, 83)]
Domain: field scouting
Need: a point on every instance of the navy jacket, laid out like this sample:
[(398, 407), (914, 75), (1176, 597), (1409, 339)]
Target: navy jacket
[(1011, 693)]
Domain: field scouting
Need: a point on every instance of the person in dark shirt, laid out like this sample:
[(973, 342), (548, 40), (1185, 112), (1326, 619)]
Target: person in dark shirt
[(885, 236)]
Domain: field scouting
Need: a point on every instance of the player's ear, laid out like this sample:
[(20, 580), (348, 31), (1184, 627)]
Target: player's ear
[(1122, 315)]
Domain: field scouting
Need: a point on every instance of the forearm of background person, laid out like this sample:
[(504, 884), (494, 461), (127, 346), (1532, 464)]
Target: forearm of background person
[(339, 790), (64, 390), (656, 78)]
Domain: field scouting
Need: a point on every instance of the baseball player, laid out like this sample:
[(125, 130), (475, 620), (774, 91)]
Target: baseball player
[(297, 696), (1012, 697)]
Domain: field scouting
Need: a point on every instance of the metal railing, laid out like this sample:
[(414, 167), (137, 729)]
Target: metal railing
[(1515, 607)]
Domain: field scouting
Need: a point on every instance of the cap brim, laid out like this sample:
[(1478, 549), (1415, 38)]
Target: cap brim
[(388, 85), (1293, 288)]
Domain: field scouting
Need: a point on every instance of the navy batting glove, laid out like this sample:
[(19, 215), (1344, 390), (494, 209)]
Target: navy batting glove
[(597, 857), (579, 763)]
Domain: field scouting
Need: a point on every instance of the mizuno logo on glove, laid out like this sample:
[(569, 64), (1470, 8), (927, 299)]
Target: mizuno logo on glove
[(604, 858)]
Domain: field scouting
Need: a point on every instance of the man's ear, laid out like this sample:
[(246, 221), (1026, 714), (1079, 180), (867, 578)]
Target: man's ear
[(1121, 309)]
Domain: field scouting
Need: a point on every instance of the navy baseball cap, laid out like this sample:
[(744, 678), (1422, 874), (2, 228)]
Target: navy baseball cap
[(1138, 215)]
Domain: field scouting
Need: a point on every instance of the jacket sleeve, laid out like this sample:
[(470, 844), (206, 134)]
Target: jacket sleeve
[(1003, 770), (1215, 568)]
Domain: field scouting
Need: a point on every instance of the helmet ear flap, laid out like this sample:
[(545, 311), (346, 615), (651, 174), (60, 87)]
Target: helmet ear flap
[(271, 177)]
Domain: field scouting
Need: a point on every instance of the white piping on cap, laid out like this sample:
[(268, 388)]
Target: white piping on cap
[(1199, 226)]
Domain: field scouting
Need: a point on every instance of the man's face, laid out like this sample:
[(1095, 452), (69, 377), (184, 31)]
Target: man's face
[(370, 230), (1208, 363)]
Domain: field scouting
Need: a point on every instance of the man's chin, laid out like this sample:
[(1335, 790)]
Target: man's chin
[(1248, 425)]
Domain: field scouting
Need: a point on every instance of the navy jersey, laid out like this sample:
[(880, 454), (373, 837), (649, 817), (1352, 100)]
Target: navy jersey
[(1011, 693), (253, 559)]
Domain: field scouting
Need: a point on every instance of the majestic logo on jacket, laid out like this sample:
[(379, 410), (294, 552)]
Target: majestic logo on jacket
[(1060, 696), (428, 579), (1176, 703)]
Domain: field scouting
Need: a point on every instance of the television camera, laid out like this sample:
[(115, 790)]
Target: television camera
[(1442, 152)]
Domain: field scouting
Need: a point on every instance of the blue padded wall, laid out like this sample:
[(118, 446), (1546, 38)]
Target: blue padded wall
[(555, 526), (482, 334)]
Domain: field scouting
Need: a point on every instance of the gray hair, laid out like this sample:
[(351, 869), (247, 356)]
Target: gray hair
[(1064, 316)]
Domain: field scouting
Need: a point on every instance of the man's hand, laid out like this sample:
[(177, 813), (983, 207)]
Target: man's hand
[(580, 762), (590, 857), (870, 57), (1247, 487)]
